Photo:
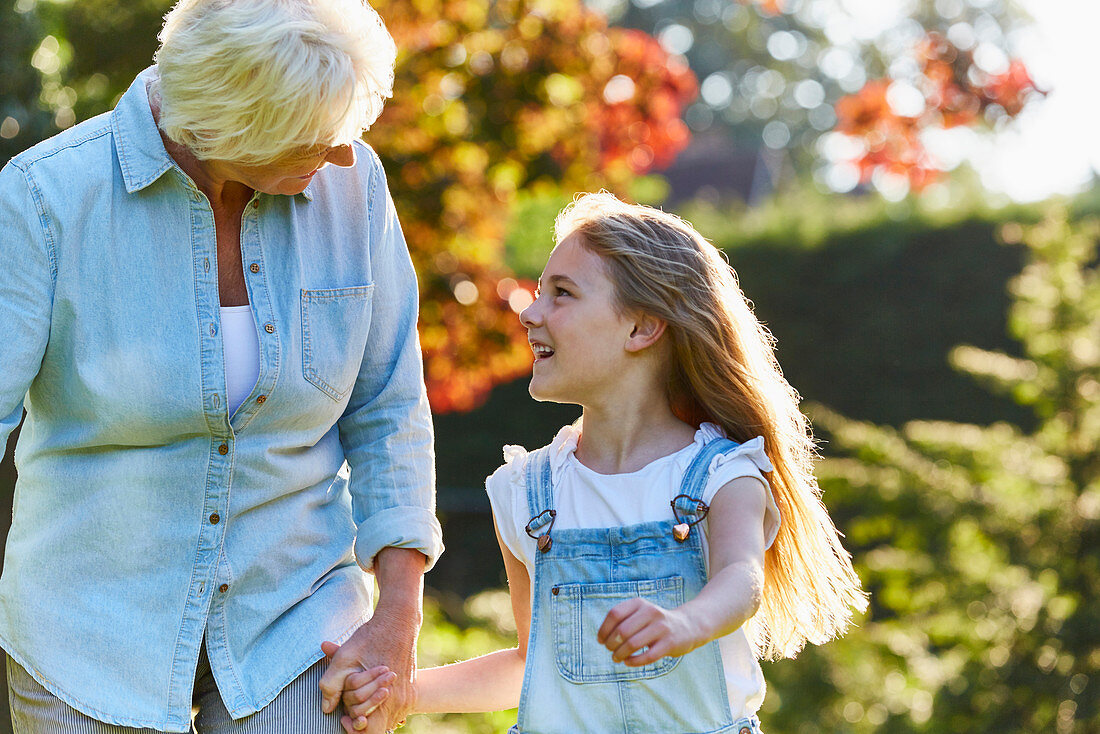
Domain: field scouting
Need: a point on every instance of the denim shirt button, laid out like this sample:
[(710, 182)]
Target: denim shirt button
[(745, 730), (269, 328), (223, 588), (215, 518), (223, 449), (254, 267), (261, 399)]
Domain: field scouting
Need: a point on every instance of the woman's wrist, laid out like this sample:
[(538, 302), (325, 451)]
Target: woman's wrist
[(400, 575)]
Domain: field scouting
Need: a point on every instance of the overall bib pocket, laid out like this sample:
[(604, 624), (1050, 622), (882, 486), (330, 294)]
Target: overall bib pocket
[(335, 324), (578, 612)]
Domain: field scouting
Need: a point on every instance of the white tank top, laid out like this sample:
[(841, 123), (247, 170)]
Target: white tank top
[(241, 346)]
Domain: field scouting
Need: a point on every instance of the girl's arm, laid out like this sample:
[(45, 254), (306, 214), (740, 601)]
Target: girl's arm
[(729, 598), (491, 682)]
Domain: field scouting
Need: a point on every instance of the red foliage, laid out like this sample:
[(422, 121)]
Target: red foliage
[(956, 92), (891, 141), (644, 131)]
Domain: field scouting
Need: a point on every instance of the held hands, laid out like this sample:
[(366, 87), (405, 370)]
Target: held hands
[(364, 691), (372, 675), (633, 625)]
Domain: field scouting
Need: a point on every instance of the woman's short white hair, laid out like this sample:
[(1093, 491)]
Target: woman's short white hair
[(251, 81)]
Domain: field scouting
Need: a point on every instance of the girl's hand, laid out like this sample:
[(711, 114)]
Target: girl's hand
[(636, 624), (363, 692)]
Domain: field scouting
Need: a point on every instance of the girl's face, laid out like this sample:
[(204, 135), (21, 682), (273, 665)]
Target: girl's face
[(576, 333)]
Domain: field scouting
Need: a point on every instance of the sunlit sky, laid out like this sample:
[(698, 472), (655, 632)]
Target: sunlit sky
[(1054, 145)]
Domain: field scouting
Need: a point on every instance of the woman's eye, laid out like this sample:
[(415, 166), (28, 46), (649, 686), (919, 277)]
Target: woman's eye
[(562, 292)]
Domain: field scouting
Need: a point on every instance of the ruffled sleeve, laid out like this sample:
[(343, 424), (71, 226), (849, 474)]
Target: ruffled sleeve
[(507, 490), (747, 460), (508, 497)]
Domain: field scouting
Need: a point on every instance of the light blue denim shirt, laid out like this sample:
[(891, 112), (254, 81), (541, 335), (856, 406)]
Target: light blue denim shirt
[(145, 516)]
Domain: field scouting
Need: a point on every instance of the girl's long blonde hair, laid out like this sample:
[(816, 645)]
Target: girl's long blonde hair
[(724, 371)]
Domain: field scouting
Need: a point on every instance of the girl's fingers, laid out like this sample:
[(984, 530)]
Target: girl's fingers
[(614, 618), (349, 727), (647, 635), (367, 706), (656, 651), (359, 686), (641, 617), (620, 638)]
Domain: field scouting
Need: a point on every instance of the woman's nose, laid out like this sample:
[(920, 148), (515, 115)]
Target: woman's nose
[(341, 155)]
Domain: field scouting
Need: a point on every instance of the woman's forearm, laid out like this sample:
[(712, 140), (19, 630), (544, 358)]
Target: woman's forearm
[(489, 683)]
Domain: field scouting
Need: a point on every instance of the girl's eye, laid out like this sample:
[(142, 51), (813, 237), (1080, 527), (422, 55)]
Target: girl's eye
[(562, 292)]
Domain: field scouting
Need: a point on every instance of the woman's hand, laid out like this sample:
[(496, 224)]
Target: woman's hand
[(638, 625), (388, 638), (383, 641)]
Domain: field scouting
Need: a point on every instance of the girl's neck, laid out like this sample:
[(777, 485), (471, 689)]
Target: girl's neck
[(627, 437)]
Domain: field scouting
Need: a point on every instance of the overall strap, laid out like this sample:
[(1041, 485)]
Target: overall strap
[(695, 478), (540, 491)]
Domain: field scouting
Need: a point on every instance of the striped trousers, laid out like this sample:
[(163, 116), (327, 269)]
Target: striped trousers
[(296, 710)]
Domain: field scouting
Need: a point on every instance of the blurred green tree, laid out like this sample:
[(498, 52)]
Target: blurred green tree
[(22, 117), (980, 545)]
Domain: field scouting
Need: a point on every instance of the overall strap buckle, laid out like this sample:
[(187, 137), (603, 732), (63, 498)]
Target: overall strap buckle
[(688, 505), (540, 494), (544, 518)]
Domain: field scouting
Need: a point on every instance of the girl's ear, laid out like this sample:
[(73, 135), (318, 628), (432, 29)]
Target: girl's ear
[(647, 330)]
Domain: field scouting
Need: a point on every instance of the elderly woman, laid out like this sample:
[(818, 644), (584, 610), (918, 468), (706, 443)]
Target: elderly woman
[(209, 313)]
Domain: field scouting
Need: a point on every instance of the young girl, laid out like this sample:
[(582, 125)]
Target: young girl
[(672, 536)]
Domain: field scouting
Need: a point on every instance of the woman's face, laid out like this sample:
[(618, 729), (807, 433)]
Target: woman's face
[(289, 175)]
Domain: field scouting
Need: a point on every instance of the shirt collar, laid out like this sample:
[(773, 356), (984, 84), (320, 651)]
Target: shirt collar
[(141, 153)]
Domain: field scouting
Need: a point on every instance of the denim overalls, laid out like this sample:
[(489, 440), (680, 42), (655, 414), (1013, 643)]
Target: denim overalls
[(570, 683)]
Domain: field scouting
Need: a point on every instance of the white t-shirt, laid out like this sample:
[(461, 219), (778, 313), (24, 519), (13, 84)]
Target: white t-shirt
[(585, 498)]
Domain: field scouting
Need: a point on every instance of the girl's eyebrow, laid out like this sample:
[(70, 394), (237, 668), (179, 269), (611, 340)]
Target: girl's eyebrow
[(562, 280)]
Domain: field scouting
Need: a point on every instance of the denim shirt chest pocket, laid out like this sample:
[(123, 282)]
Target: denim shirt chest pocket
[(335, 325)]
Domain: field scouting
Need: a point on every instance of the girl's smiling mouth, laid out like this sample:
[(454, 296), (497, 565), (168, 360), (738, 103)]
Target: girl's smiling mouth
[(541, 351)]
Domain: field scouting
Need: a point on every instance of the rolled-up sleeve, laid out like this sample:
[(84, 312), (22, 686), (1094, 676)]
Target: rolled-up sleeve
[(386, 429), (26, 292)]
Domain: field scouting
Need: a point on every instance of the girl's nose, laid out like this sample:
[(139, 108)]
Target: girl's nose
[(529, 316)]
